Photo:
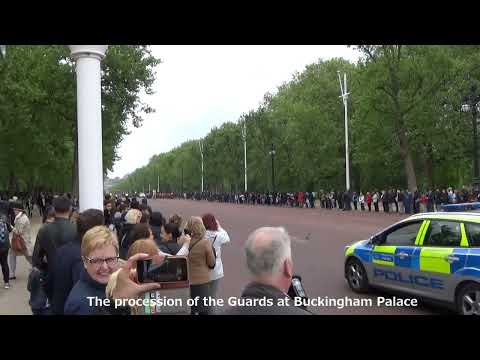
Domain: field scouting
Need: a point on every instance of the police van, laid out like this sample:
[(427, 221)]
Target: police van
[(429, 255)]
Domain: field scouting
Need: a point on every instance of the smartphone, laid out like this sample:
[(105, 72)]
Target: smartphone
[(169, 269)]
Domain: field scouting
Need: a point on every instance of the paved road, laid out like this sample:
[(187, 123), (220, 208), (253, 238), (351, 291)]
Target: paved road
[(319, 237)]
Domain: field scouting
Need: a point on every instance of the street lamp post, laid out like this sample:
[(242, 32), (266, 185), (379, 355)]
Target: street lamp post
[(344, 96), (272, 154), (471, 104), (244, 136)]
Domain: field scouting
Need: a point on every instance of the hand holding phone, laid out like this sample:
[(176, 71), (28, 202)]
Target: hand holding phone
[(127, 287), (163, 269)]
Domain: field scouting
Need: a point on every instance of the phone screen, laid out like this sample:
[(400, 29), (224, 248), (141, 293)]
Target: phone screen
[(162, 269)]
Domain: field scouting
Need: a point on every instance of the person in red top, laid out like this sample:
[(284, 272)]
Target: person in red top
[(369, 201), (423, 201), (301, 198)]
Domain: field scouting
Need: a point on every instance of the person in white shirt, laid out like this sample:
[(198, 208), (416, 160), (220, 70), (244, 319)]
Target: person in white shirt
[(218, 237), (375, 200), (361, 200)]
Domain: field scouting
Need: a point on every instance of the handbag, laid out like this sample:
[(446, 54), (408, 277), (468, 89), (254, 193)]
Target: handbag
[(18, 244)]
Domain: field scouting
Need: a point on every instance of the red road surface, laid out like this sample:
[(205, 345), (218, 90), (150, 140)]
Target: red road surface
[(318, 240)]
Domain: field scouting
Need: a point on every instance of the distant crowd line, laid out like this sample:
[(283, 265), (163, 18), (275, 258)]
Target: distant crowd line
[(393, 200)]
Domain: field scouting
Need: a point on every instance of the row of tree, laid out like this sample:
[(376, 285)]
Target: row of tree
[(38, 112), (406, 127)]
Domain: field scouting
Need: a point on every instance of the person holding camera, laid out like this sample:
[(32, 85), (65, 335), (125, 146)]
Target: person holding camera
[(69, 264), (100, 257), (269, 261), (143, 231), (169, 235), (201, 261)]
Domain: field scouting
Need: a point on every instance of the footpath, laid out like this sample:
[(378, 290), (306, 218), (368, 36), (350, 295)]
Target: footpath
[(14, 301)]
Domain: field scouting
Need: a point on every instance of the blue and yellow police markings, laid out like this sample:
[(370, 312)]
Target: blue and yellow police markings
[(442, 260), (384, 255), (434, 260)]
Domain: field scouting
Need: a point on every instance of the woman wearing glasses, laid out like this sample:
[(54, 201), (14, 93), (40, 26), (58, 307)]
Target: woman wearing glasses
[(99, 252)]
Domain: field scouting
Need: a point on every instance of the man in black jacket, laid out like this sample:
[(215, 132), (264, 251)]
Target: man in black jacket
[(49, 238), (269, 261), (437, 199), (69, 263)]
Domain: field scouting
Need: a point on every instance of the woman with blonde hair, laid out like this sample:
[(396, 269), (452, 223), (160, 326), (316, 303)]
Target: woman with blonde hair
[(143, 246), (99, 252), (201, 261)]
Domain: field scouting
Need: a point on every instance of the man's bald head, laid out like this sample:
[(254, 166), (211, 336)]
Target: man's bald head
[(266, 250)]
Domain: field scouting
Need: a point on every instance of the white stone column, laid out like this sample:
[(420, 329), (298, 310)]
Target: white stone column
[(89, 124)]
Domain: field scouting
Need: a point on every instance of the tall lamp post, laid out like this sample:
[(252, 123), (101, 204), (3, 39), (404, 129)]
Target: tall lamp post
[(244, 136), (344, 96), (200, 145), (272, 154), (472, 102)]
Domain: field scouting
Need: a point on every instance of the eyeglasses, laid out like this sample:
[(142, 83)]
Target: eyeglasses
[(99, 261)]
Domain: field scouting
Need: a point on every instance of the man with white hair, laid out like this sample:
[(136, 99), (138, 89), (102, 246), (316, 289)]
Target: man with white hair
[(269, 261)]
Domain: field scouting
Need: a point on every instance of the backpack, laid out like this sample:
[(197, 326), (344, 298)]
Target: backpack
[(36, 283), (4, 240)]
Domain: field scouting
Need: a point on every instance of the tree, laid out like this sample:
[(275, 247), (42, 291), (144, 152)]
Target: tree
[(38, 111)]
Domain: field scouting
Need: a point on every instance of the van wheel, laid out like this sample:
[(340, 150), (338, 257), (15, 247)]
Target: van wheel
[(356, 276), (468, 300)]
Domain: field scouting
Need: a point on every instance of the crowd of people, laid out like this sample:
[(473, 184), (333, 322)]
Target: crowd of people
[(393, 200), (77, 256)]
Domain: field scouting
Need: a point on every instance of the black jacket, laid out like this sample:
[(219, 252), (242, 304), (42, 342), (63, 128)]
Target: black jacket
[(169, 247), (49, 238), (108, 215), (67, 272), (157, 230), (78, 303), (124, 240), (258, 291)]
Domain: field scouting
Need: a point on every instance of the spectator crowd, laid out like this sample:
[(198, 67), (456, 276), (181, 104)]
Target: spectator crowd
[(393, 200), (76, 256)]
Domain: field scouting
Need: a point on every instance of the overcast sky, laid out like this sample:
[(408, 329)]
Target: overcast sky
[(199, 87)]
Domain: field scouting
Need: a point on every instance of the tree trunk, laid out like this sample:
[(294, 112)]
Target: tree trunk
[(429, 166), (12, 184), (407, 159)]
